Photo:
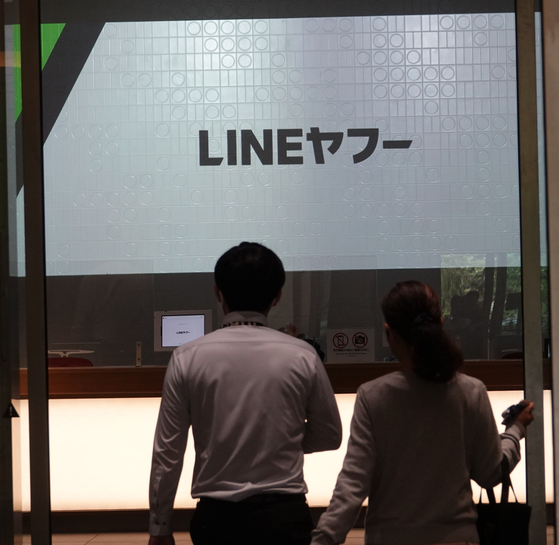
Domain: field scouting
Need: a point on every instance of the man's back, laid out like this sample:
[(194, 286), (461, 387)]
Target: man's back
[(249, 391)]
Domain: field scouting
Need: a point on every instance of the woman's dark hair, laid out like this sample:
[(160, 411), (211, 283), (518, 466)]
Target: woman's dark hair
[(249, 276), (413, 310)]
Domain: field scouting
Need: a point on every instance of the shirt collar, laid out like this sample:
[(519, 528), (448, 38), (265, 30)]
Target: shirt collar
[(245, 316)]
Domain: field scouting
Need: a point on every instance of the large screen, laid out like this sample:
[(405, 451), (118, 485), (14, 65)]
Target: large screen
[(340, 142)]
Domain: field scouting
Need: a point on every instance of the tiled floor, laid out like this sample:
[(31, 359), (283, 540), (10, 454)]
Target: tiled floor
[(355, 537)]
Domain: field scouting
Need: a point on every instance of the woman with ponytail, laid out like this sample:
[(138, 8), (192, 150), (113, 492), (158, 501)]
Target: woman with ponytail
[(418, 436)]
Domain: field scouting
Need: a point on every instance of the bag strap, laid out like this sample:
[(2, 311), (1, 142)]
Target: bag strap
[(506, 483)]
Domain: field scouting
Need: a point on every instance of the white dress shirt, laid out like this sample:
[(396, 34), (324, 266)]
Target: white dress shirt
[(257, 400)]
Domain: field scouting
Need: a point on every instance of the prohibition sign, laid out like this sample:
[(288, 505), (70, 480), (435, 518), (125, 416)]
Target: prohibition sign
[(340, 340), (360, 340)]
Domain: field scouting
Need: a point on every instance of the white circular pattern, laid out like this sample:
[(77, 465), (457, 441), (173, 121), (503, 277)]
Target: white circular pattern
[(230, 196), (96, 165), (328, 25), (181, 248), (483, 174), (466, 141), (178, 79), (480, 38), (278, 60), (414, 74), (417, 226), (162, 96), (416, 158), (480, 21), (264, 178), (212, 112), (179, 112), (414, 91), (346, 41), (396, 57), (264, 229), (297, 178), (130, 214), (146, 181), (447, 73), (365, 193), (379, 40), (279, 94), (383, 244), (144, 80), (397, 91), (211, 28), (396, 40), (383, 227), (130, 249), (227, 27), (95, 148), (231, 213), (80, 199), (312, 25), (400, 243), (113, 215), (434, 226), (434, 243), (262, 93), (348, 193), (194, 29), (146, 197), (78, 131), (247, 212), (95, 131), (245, 61), (467, 191), (380, 91), (431, 73), (366, 211), (61, 131), (483, 140), (113, 232), (431, 107), (417, 243), (465, 123), (111, 63), (130, 198), (400, 209), (363, 58), (414, 56), (397, 74), (448, 90), (501, 224), (497, 21), (484, 208), (229, 111), (162, 130), (96, 199), (399, 192), (163, 163), (127, 80), (315, 228), (260, 27), (500, 191), (381, 159), (383, 210), (463, 22), (499, 123), (349, 210), (431, 90), (164, 214), (446, 22), (247, 178), (380, 74), (330, 92), (500, 140), (197, 196), (181, 231), (483, 157), (432, 174), (228, 61), (448, 124)]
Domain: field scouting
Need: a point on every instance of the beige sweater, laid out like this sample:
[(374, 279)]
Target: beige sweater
[(414, 447)]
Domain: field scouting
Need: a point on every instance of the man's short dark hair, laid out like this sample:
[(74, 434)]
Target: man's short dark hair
[(249, 276)]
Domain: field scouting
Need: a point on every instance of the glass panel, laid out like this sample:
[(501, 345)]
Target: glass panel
[(13, 270), (361, 149)]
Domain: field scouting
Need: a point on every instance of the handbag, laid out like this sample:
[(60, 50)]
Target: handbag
[(503, 523)]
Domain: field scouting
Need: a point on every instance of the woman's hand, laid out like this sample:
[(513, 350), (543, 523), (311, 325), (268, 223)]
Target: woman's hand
[(525, 417)]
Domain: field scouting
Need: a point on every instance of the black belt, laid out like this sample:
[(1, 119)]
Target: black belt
[(259, 499)]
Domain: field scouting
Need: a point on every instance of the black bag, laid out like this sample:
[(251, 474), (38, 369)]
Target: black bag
[(503, 523)]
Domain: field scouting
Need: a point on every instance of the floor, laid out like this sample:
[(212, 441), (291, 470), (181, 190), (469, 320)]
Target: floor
[(355, 537)]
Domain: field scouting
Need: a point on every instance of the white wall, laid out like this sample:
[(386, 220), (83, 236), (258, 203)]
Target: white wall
[(101, 449)]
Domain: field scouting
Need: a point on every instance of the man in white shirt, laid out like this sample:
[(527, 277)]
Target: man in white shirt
[(257, 400)]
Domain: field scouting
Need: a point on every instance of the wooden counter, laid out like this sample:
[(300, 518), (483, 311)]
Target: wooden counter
[(92, 382)]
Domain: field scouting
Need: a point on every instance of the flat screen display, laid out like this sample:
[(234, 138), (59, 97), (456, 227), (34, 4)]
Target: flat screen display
[(339, 142), (178, 327)]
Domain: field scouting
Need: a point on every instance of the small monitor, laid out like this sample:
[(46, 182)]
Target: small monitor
[(175, 327)]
